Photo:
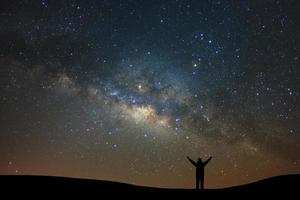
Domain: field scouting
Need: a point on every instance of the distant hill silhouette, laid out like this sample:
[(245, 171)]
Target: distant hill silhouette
[(72, 187)]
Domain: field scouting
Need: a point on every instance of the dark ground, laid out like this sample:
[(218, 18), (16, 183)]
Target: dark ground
[(47, 186)]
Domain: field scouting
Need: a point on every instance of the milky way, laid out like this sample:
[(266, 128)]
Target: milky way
[(125, 90)]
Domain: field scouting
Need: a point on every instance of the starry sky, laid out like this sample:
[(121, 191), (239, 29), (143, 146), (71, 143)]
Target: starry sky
[(125, 90)]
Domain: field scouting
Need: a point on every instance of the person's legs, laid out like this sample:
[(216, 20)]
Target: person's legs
[(202, 182), (197, 183)]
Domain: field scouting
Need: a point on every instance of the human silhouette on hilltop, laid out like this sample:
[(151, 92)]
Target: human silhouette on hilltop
[(199, 171)]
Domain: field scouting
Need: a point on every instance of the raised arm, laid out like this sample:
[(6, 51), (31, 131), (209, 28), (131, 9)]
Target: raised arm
[(205, 163), (193, 162)]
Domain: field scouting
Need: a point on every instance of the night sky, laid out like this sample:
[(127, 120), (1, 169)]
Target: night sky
[(125, 90)]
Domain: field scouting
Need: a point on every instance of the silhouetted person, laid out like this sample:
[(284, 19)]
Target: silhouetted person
[(199, 171)]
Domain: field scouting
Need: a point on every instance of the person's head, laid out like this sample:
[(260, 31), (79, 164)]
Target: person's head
[(200, 160)]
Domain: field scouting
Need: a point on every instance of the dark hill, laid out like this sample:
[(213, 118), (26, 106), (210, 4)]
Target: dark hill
[(73, 187)]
